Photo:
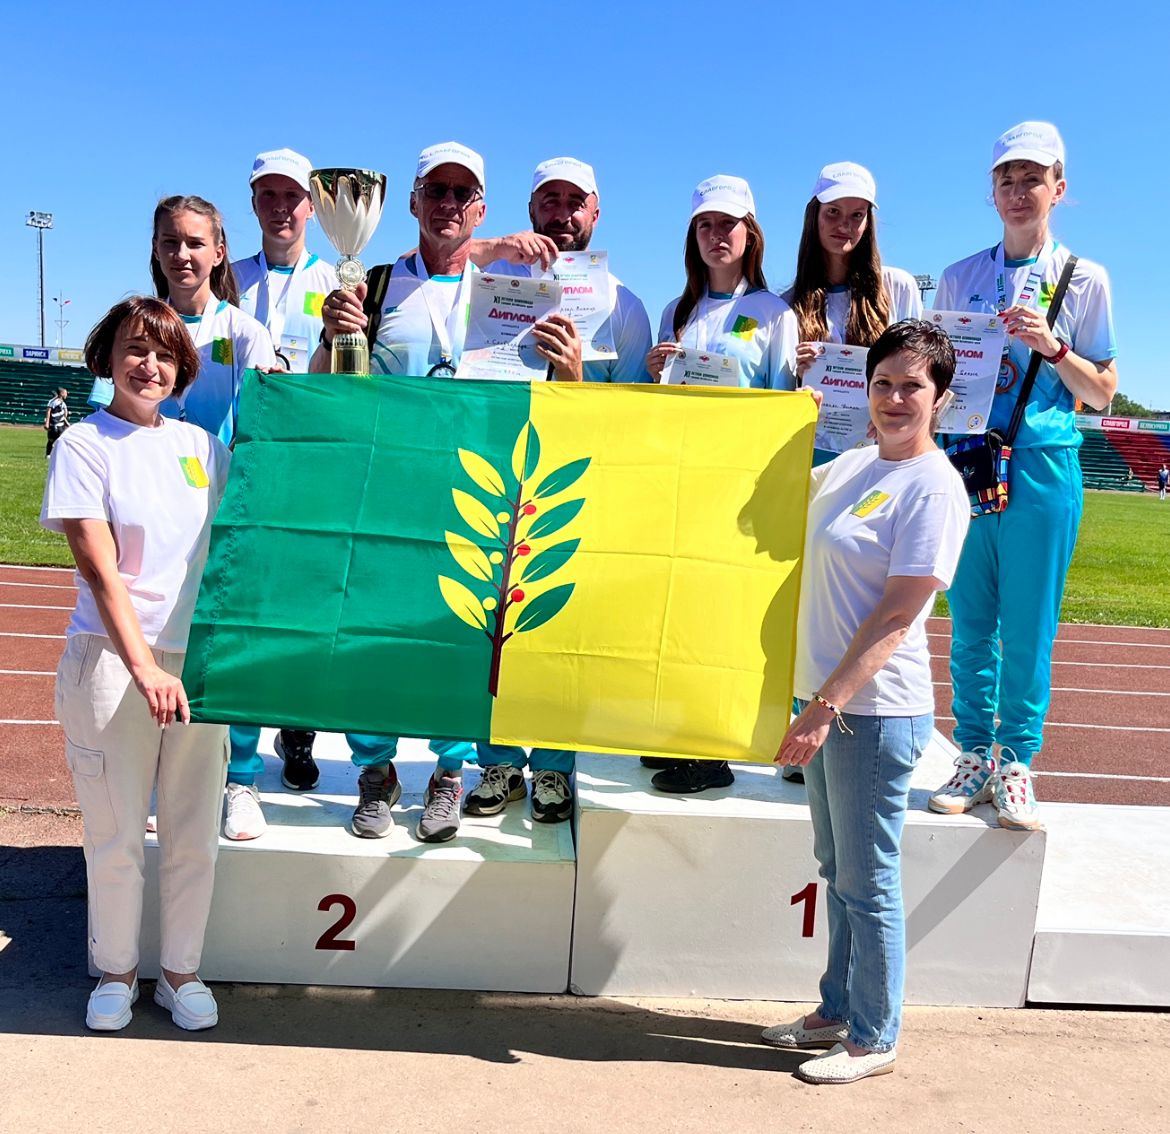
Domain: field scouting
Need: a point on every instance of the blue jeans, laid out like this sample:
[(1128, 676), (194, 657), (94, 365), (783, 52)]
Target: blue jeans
[(858, 787), (1005, 604)]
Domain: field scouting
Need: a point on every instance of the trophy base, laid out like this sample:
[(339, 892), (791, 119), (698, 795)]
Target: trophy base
[(351, 354)]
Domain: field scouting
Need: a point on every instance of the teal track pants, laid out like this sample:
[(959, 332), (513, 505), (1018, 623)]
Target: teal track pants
[(1005, 603)]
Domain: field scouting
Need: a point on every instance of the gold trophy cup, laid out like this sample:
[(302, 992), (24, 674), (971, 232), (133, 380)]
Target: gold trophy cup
[(348, 203)]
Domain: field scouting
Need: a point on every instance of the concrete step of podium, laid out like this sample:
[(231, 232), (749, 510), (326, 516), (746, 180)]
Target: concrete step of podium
[(717, 895), (309, 903), (1103, 926)]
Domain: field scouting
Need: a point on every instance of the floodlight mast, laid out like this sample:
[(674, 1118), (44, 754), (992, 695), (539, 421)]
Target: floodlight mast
[(40, 221)]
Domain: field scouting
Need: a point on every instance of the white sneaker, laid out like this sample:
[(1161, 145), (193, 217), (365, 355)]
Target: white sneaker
[(192, 1005), (972, 783), (1015, 799), (244, 819)]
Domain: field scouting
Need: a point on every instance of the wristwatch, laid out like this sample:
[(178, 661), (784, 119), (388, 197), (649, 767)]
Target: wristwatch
[(1053, 359)]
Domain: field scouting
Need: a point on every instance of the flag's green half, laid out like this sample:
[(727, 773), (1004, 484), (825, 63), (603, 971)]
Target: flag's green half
[(297, 624)]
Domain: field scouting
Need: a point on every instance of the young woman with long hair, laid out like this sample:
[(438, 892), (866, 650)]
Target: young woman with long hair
[(191, 271), (725, 308)]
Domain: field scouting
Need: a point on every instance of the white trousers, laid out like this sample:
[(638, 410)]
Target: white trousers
[(116, 752)]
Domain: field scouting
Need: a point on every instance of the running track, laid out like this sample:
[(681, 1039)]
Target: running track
[(1107, 739)]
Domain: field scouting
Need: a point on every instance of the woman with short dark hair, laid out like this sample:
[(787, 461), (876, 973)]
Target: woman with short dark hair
[(134, 494), (885, 528)]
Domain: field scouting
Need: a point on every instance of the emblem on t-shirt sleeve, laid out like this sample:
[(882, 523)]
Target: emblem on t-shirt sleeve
[(314, 302), (744, 327), (221, 351), (194, 472), (869, 502)]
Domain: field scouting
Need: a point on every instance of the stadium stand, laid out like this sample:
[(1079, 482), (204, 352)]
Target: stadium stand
[(1142, 452), (1102, 466), (26, 387)]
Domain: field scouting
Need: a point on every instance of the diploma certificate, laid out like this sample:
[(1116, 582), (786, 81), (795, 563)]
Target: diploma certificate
[(500, 318), (979, 340), (587, 299), (690, 367), (839, 374)]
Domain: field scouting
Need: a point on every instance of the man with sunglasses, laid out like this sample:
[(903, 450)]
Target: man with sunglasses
[(419, 326), (564, 209)]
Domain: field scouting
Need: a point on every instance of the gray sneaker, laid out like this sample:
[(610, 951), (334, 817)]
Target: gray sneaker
[(440, 817), (376, 795)]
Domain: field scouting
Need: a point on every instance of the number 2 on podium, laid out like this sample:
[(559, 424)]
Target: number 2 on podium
[(809, 897), (329, 939)]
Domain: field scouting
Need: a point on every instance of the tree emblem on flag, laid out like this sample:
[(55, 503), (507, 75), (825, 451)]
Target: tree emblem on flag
[(516, 522)]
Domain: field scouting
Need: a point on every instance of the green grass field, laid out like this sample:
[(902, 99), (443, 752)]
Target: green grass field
[(1117, 576)]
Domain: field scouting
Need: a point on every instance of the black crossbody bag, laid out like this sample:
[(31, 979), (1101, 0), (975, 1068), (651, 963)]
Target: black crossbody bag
[(984, 459)]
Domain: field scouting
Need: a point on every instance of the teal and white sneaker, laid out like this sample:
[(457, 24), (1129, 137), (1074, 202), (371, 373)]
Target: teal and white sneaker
[(972, 783), (1015, 799)]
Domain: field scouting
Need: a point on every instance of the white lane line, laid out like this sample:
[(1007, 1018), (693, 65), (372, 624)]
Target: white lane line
[(1075, 724), (1067, 626), (1090, 642), (27, 673), (39, 586), (1104, 776), (13, 634), (22, 567), (1098, 665), (1104, 692), (31, 606), (29, 722)]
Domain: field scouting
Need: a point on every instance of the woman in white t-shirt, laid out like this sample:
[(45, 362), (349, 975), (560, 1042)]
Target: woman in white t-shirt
[(134, 494), (885, 527), (192, 272), (726, 311)]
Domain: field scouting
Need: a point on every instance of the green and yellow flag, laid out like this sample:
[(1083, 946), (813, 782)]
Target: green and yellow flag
[(583, 566)]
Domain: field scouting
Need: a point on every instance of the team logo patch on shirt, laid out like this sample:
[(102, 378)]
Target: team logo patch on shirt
[(869, 502), (314, 302), (744, 327), (221, 351), (1046, 290), (194, 472)]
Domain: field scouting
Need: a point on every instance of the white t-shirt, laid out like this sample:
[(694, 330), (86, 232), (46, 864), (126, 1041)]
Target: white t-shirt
[(758, 328), (905, 302), (229, 342), (869, 519), (407, 341), (1085, 322), (287, 301), (627, 319), (158, 489)]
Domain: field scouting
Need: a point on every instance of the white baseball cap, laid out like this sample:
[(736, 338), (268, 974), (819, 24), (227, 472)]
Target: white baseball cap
[(1029, 141), (450, 153), (565, 169), (845, 179), (287, 163), (725, 194)]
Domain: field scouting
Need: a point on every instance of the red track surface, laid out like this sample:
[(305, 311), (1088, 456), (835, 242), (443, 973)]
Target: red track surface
[(1107, 739)]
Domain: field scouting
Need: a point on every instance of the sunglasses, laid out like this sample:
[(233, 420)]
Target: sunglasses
[(438, 190)]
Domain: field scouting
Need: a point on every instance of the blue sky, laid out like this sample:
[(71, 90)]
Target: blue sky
[(111, 107)]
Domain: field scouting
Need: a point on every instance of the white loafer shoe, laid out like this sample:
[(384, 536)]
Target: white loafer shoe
[(838, 1066), (797, 1037), (109, 1006), (192, 1005)]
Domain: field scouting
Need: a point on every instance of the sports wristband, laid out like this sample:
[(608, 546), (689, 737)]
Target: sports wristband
[(1053, 359)]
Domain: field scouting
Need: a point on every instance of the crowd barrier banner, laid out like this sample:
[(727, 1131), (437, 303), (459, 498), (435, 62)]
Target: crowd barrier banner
[(14, 352), (581, 566)]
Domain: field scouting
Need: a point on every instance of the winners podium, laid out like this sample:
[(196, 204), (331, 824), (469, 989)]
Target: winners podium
[(645, 894)]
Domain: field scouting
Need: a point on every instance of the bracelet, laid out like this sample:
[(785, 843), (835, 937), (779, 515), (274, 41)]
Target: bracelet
[(835, 710), (1053, 359), (826, 704), (323, 341)]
